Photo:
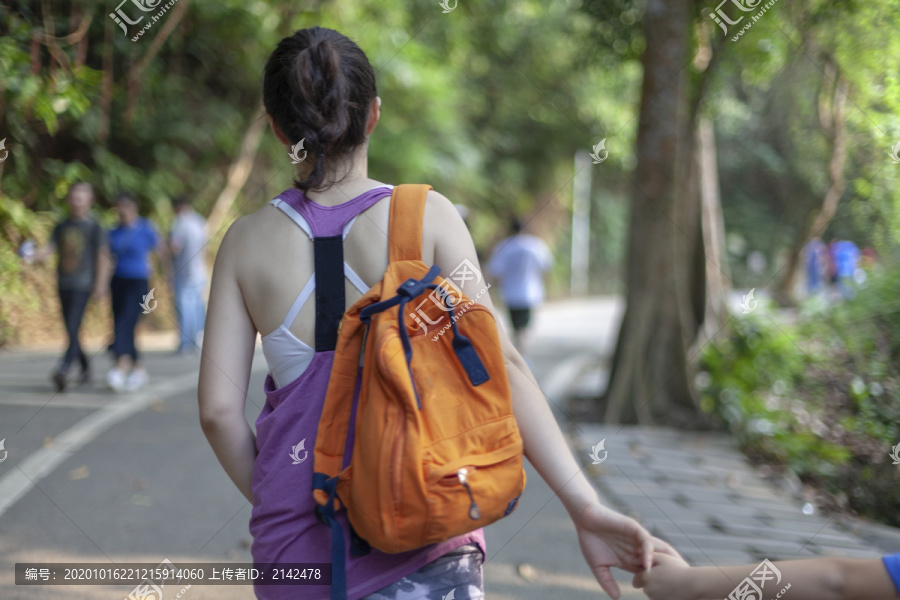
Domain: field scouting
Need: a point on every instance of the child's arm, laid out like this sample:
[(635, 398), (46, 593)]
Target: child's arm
[(811, 579)]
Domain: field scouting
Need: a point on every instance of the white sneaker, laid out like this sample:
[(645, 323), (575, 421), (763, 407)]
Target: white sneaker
[(115, 379), (137, 379)]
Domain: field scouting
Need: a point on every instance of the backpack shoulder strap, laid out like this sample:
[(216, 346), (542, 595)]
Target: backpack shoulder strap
[(405, 225)]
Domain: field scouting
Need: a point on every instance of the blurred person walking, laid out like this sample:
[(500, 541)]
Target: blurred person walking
[(519, 262), (817, 265), (131, 243), (82, 272), (845, 255), (187, 246)]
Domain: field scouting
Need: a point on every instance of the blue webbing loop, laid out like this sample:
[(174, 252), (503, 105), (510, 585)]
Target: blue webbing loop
[(326, 513), (468, 357)]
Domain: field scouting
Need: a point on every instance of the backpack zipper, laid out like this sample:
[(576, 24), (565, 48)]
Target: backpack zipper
[(474, 511)]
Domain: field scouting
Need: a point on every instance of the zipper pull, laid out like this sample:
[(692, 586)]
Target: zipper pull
[(474, 512)]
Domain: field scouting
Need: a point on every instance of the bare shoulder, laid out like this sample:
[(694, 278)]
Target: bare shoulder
[(442, 216), (240, 240), (437, 203), (235, 236)]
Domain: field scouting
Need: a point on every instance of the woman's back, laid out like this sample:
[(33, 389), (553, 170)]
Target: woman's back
[(265, 261), (320, 96), (273, 257)]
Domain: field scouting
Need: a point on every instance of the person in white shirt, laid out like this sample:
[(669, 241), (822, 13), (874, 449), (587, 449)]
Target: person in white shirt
[(187, 247), (519, 262)]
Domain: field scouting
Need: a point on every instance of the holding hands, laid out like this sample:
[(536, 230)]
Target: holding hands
[(670, 579), (610, 539)]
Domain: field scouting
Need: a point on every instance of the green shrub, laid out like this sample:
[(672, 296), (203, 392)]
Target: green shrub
[(820, 396)]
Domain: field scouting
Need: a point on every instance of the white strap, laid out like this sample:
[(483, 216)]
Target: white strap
[(293, 214), (305, 293), (355, 279), (310, 286), (348, 226)]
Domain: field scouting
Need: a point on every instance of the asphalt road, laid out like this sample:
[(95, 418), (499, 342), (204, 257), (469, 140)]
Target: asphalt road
[(91, 476)]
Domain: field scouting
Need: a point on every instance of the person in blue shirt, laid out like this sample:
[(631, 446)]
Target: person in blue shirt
[(826, 578), (845, 255), (131, 243)]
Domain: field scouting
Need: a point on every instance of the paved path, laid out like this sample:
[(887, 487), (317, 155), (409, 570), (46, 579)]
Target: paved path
[(696, 490), (95, 477)]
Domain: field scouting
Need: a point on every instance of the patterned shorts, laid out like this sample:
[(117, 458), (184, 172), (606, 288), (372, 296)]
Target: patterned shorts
[(454, 576)]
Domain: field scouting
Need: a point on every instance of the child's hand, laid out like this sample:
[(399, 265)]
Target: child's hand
[(609, 539), (669, 579)]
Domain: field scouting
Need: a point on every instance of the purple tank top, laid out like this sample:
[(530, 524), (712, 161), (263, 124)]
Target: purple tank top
[(283, 522)]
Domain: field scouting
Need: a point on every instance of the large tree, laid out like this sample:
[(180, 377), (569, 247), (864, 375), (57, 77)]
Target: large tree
[(666, 281)]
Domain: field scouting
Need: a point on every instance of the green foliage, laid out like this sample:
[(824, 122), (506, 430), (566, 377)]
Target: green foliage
[(773, 150), (488, 103), (821, 397)]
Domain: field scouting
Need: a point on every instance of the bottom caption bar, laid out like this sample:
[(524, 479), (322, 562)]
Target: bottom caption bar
[(167, 573)]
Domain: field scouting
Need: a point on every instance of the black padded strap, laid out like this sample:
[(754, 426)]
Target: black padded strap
[(329, 262)]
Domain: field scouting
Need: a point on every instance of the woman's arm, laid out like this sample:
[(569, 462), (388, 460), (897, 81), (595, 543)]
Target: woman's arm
[(228, 343), (607, 538), (810, 579)]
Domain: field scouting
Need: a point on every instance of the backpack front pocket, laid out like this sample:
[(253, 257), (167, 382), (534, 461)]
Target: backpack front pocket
[(473, 490)]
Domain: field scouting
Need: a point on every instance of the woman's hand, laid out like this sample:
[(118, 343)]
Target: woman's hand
[(669, 579), (610, 539)]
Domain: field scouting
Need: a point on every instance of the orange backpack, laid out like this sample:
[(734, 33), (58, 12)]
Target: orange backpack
[(436, 451)]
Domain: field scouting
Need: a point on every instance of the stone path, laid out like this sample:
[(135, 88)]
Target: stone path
[(696, 491)]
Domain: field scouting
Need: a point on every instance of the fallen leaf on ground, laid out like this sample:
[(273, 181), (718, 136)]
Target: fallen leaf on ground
[(79, 473)]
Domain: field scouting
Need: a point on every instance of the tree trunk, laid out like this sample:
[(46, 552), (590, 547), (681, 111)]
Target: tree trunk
[(238, 173), (718, 278), (652, 369), (831, 117), (106, 83)]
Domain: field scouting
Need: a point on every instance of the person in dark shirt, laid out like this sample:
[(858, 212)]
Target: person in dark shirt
[(82, 271)]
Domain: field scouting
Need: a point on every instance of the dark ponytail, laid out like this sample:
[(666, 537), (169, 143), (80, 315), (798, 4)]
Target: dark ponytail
[(318, 87)]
